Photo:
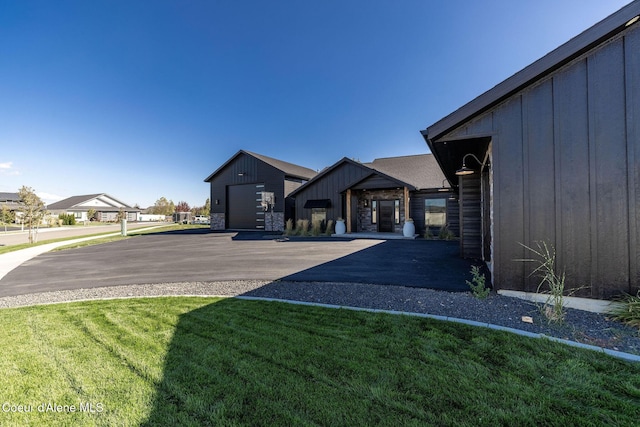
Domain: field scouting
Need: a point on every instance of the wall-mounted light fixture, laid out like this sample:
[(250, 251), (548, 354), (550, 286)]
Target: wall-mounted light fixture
[(241, 173), (632, 21), (366, 203), (443, 188), (464, 170), (217, 201)]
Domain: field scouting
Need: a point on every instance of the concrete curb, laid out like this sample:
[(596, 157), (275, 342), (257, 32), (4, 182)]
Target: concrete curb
[(617, 354)]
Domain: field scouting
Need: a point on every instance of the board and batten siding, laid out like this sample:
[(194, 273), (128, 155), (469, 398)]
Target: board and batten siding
[(566, 170), (329, 187), (254, 171)]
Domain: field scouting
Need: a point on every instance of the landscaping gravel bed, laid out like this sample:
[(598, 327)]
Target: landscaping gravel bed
[(580, 326)]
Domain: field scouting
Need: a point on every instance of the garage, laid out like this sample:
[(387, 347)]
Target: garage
[(245, 211), (237, 187)]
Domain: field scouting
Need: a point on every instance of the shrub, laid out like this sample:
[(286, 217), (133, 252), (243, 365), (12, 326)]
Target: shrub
[(67, 219), (316, 228), (288, 228), (445, 233), (304, 227), (427, 233), (477, 284), (329, 230), (552, 278), (628, 310)]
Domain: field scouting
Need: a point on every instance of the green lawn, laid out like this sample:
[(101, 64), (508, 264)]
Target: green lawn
[(207, 361)]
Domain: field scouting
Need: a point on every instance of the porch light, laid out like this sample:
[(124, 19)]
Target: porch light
[(464, 170), (443, 188)]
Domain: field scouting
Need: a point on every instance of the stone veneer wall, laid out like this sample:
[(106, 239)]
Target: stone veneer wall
[(275, 223), (364, 213), (217, 221)]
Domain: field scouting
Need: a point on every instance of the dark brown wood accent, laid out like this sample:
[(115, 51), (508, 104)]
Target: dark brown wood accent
[(470, 217)]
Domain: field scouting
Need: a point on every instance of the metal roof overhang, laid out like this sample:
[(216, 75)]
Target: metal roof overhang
[(318, 203)]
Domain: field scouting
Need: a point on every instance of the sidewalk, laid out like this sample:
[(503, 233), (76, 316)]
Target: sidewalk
[(14, 259)]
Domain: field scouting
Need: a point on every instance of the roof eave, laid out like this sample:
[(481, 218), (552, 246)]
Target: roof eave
[(544, 66)]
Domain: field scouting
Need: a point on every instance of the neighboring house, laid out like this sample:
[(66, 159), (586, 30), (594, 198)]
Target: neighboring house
[(248, 192), (556, 156), (376, 196), (106, 207), (10, 200)]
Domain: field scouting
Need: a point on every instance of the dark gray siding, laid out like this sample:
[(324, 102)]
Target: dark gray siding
[(253, 171), (566, 170), (416, 207), (328, 187)]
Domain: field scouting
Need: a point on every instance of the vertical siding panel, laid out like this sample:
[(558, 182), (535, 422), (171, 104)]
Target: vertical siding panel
[(470, 215), (573, 186), (632, 76), (608, 143), (508, 210), (539, 177)]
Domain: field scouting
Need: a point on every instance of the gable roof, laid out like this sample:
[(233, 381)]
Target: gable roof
[(289, 169), (549, 63), (326, 171), (9, 197), (416, 172), (10, 200), (100, 200), (419, 171)]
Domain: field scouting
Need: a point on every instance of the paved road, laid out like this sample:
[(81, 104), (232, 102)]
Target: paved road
[(17, 237), (201, 255)]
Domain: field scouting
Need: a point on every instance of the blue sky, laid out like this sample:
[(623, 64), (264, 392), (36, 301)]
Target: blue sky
[(144, 99)]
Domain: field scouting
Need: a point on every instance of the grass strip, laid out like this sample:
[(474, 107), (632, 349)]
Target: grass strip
[(134, 232), (210, 361)]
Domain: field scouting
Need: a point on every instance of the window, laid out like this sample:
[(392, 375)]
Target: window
[(374, 212), (318, 214), (435, 212), (397, 211)]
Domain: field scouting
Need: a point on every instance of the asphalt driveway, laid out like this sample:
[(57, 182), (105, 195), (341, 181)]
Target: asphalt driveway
[(203, 256)]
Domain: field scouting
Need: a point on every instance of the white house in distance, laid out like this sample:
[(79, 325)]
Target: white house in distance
[(105, 206)]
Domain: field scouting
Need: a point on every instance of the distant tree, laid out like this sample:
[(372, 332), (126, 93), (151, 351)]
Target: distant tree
[(163, 207), (183, 206), (32, 209), (202, 210), (206, 209), (7, 216), (121, 215), (91, 213)]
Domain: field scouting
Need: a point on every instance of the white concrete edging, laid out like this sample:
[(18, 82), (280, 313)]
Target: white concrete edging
[(618, 354), (585, 304)]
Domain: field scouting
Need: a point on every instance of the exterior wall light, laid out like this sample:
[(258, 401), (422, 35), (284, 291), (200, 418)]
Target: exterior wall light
[(443, 188), (464, 170), (632, 21)]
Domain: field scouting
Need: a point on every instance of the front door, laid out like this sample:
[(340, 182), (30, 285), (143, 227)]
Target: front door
[(386, 220)]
